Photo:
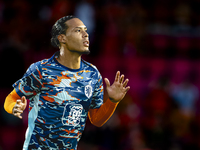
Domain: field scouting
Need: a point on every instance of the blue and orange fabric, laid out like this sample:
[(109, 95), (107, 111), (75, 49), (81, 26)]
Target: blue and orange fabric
[(60, 101)]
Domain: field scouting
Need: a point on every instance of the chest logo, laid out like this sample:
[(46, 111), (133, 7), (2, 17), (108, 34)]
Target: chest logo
[(72, 114), (88, 91)]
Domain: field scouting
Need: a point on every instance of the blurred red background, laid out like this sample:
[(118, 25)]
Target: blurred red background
[(156, 44)]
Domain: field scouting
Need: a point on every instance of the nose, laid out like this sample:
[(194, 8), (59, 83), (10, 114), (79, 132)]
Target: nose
[(85, 34)]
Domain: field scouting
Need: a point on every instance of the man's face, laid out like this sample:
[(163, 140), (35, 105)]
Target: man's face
[(77, 37)]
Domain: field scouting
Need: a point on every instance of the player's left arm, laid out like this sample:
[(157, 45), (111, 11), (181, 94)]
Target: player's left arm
[(116, 93)]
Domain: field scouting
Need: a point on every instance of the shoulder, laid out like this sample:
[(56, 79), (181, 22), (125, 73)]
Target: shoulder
[(33, 67), (89, 66), (36, 66), (92, 68)]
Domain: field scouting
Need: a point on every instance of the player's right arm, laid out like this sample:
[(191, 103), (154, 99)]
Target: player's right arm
[(14, 104), (26, 87)]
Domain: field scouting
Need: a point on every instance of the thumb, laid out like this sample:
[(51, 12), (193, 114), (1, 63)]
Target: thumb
[(107, 82), (23, 100)]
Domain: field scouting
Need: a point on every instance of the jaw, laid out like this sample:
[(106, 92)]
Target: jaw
[(77, 47), (80, 52)]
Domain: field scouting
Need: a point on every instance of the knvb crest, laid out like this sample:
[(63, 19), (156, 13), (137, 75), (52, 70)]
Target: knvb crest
[(88, 91)]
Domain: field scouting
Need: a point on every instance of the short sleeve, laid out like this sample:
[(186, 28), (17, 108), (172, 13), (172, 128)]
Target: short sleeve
[(97, 98), (30, 84)]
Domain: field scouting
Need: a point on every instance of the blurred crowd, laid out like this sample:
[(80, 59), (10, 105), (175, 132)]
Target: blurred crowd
[(156, 44)]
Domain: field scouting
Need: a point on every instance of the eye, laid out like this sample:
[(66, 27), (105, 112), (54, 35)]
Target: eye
[(78, 30)]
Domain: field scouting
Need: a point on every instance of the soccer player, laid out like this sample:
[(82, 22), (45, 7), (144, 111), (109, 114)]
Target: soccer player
[(63, 91)]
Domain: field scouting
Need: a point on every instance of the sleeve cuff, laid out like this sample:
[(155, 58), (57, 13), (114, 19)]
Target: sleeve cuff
[(10, 108), (112, 103)]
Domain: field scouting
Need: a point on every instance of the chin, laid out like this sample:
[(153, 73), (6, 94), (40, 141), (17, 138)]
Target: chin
[(86, 52), (83, 51)]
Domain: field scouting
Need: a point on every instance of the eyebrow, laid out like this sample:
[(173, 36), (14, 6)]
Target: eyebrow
[(81, 27)]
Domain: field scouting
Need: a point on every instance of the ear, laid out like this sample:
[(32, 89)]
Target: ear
[(62, 38)]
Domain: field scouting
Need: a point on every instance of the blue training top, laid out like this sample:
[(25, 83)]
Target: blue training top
[(60, 99)]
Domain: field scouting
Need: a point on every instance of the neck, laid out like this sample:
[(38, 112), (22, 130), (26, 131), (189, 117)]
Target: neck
[(69, 59)]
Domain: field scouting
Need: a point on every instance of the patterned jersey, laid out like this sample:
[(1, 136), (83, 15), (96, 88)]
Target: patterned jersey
[(60, 99)]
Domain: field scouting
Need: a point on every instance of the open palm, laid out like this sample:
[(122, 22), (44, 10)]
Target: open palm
[(118, 89)]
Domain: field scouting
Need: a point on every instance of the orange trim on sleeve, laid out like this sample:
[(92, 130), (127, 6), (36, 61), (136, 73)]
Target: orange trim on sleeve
[(100, 116), (11, 101)]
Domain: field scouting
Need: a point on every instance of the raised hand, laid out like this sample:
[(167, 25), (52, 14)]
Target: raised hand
[(19, 107), (118, 89)]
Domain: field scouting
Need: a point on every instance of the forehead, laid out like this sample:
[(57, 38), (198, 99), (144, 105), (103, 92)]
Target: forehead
[(75, 22)]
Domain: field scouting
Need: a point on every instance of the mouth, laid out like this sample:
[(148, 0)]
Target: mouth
[(86, 43)]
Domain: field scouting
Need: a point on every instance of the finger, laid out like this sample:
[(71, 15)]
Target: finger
[(121, 79), (16, 110), (107, 82), (117, 76), (18, 115), (18, 106), (125, 82), (127, 88), (18, 101)]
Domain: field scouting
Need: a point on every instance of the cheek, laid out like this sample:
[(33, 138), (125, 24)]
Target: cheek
[(73, 43)]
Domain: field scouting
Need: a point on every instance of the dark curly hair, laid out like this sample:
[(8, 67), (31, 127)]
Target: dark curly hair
[(58, 28)]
